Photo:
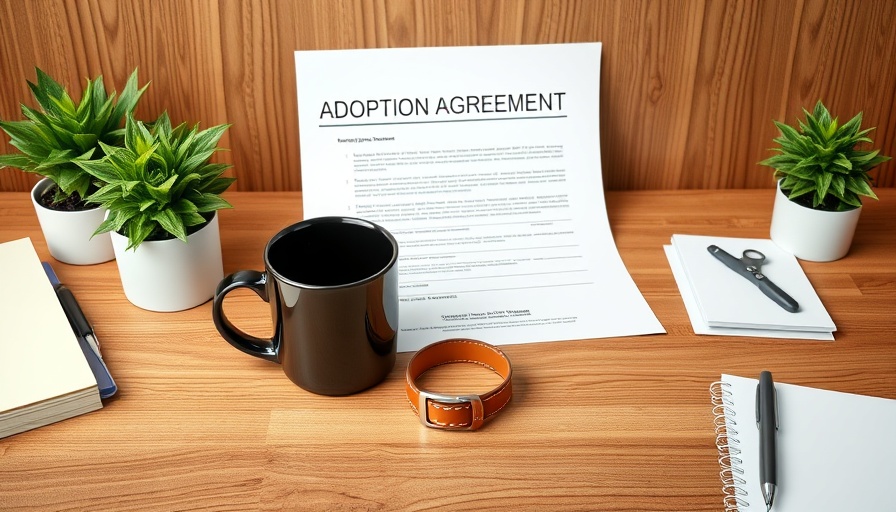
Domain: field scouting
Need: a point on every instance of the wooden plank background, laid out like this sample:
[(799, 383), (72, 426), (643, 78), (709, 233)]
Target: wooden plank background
[(689, 88)]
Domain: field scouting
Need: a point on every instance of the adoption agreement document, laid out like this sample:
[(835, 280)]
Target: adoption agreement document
[(484, 163)]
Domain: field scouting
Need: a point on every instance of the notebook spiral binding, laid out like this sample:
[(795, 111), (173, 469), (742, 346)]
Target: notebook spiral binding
[(731, 473)]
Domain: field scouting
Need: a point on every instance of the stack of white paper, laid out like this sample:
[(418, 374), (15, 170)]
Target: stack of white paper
[(720, 301)]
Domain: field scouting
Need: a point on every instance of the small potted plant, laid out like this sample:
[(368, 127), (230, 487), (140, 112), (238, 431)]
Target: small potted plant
[(162, 194), (821, 178), (51, 140)]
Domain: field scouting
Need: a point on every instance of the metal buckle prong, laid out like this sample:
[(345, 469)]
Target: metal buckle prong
[(476, 416)]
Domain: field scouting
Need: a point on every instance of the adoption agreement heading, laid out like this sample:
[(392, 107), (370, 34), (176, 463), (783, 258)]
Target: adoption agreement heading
[(484, 162), (385, 110)]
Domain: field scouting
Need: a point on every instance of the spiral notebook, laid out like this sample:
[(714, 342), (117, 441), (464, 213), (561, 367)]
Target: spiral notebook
[(836, 451)]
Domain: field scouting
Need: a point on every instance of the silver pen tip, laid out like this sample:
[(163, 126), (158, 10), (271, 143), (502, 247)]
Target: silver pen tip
[(768, 493)]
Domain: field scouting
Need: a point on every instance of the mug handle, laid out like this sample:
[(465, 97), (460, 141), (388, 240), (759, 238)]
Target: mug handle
[(265, 348)]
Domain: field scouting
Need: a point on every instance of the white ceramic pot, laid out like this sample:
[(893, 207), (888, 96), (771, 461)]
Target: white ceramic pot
[(812, 235), (170, 275), (69, 235)]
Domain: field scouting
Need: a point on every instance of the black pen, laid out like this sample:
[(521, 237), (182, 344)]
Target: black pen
[(87, 341), (76, 317), (767, 422)]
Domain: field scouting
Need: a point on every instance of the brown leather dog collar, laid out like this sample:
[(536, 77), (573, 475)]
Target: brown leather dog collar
[(458, 412)]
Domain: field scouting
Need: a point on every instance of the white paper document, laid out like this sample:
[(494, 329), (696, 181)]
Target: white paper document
[(484, 163), (719, 301)]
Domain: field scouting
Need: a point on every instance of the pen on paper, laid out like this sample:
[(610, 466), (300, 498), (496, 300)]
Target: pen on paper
[(767, 422)]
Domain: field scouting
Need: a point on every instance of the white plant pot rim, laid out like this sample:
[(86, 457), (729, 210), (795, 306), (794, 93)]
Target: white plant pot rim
[(45, 184), (70, 233)]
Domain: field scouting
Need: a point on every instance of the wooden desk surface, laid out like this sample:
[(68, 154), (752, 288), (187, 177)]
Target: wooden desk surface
[(620, 424)]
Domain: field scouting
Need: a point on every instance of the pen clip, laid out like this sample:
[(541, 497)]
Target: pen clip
[(758, 407)]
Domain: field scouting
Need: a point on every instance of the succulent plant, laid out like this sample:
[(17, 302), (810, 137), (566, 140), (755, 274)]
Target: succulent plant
[(819, 165), (61, 133), (160, 184)]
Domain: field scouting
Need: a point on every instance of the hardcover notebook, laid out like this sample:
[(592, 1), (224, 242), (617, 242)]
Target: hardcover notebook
[(44, 377), (728, 303), (835, 450)]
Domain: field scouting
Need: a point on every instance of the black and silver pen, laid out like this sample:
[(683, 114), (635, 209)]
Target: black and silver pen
[(767, 422), (87, 341), (76, 317)]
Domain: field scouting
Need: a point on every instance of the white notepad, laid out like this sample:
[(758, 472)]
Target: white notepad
[(726, 299), (835, 451), (44, 376)]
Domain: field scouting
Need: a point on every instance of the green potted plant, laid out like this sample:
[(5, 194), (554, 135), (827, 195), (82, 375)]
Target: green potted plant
[(51, 140), (821, 177), (162, 194)]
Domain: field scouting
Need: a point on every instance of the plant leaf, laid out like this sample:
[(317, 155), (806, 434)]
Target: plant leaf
[(210, 202), (172, 223)]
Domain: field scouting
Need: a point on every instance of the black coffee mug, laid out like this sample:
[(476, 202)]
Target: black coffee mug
[(332, 283)]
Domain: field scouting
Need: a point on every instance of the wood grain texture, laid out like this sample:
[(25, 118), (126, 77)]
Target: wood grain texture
[(689, 88), (620, 424)]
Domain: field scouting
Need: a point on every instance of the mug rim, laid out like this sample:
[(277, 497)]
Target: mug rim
[(335, 219)]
